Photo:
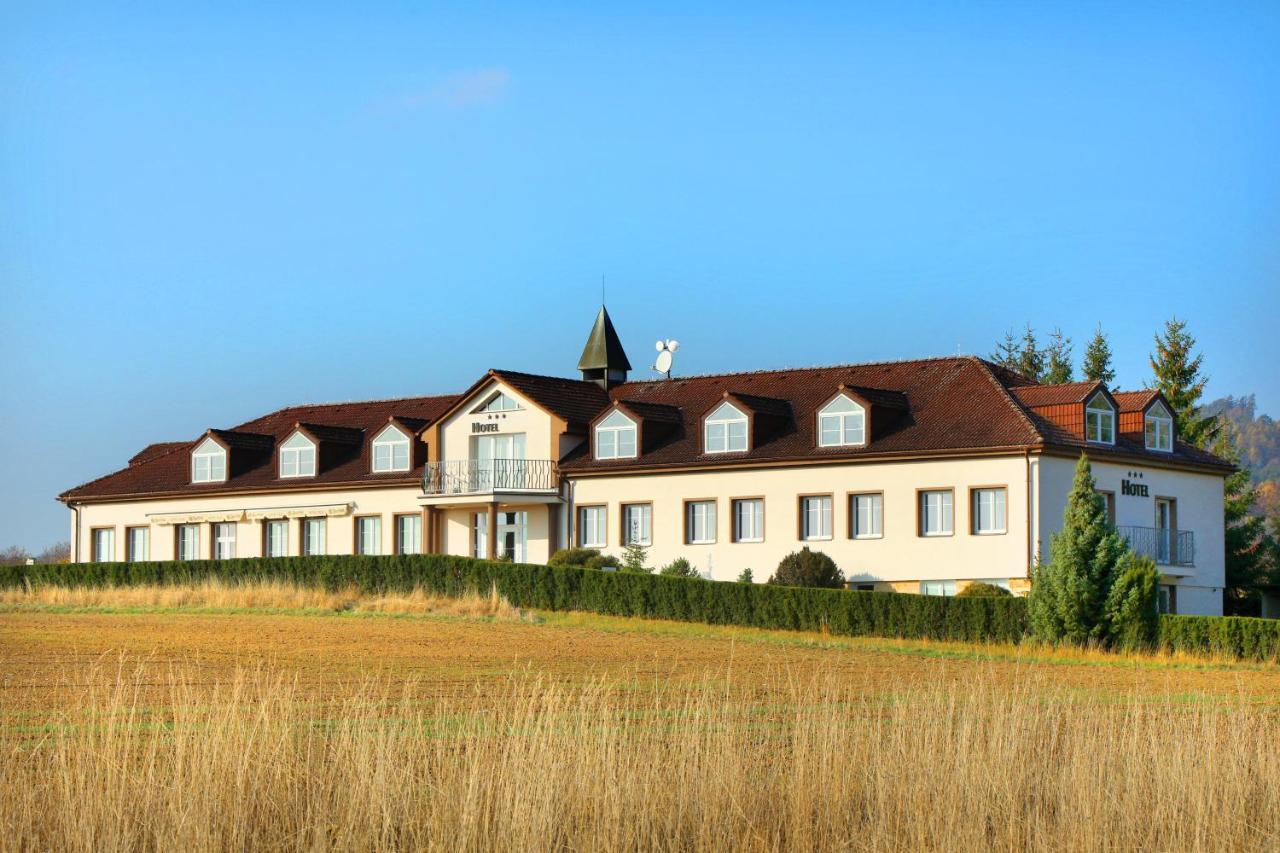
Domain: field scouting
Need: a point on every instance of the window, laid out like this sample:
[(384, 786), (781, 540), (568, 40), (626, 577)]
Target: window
[(137, 544), (866, 514), (815, 517), (637, 524), (1167, 598), (616, 437), (725, 430), (700, 522), (224, 541), (841, 423), (591, 527), (480, 535), (499, 403), (390, 450), (1159, 428), (312, 536), (1100, 421), (208, 462), (988, 511), (935, 513), (748, 520), (937, 587), (298, 457), (409, 534), (1109, 503), (187, 539), (104, 544), (275, 536), (369, 535)]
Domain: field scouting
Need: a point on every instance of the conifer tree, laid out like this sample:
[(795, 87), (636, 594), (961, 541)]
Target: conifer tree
[(1177, 374), (1245, 534), (1097, 359), (1058, 369), (1030, 358), (1006, 352)]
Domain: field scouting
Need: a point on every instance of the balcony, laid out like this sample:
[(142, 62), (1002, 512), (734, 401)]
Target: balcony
[(472, 477), (1166, 547)]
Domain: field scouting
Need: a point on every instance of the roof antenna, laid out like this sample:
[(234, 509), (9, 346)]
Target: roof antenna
[(601, 288), (666, 349)]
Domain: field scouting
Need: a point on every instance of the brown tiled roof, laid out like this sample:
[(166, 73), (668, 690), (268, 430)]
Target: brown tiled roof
[(166, 468), (334, 434), (1134, 401), (653, 412), (574, 400), (767, 406), (239, 440), (1053, 395)]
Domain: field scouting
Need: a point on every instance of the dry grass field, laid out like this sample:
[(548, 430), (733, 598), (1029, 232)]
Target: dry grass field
[(273, 720)]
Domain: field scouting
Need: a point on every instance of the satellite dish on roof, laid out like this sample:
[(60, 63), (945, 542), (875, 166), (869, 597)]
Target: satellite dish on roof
[(660, 346), (665, 350)]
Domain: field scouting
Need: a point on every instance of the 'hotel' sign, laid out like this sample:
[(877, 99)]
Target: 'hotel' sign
[(1128, 487)]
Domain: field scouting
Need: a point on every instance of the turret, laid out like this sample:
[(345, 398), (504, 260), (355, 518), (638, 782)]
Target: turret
[(603, 360)]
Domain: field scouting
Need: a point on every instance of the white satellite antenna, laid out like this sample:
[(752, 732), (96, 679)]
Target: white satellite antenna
[(666, 349)]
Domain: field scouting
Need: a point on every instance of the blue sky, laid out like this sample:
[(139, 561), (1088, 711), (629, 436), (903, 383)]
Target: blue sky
[(208, 212)]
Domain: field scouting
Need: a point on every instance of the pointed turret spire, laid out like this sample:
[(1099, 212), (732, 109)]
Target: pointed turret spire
[(603, 359)]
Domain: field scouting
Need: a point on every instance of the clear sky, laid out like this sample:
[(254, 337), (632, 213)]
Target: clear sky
[(208, 211)]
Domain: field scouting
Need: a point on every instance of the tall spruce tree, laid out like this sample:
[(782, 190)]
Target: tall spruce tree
[(1030, 358), (1177, 374), (1006, 352), (1245, 534), (1058, 369), (1069, 594), (1097, 359)]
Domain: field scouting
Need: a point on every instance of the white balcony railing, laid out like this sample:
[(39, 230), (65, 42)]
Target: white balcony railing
[(1166, 547), (482, 476)]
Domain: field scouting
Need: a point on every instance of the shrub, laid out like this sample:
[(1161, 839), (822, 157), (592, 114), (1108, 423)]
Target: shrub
[(679, 568), (808, 568), (573, 556), (634, 557), (746, 577), (979, 589), (603, 561), (1132, 613), (1225, 636)]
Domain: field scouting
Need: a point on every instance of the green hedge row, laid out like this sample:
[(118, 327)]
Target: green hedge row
[(1228, 636), (565, 588)]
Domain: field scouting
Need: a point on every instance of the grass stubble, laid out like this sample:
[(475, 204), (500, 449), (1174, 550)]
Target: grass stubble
[(253, 759)]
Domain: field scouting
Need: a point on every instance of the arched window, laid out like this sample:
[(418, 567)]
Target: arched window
[(499, 402), (841, 423), (616, 437), (725, 430), (1159, 428), (1100, 420), (390, 450), (208, 462), (298, 457)]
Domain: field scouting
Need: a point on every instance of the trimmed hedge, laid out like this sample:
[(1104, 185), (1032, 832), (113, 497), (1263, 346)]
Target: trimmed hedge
[(1228, 636), (567, 588)]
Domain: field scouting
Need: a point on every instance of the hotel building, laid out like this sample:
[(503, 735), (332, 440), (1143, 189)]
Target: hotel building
[(917, 476)]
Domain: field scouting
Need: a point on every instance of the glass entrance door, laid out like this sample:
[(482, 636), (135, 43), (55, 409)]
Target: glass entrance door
[(513, 535), (496, 459), (1164, 530)]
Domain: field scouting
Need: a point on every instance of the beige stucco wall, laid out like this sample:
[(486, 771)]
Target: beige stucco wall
[(456, 530), (339, 531), (1199, 509), (898, 556), (456, 431)]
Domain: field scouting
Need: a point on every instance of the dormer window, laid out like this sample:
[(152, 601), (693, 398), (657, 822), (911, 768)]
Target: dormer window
[(842, 423), (209, 462), (499, 402), (298, 457), (616, 437), (725, 430), (390, 450), (1100, 420), (1159, 428)]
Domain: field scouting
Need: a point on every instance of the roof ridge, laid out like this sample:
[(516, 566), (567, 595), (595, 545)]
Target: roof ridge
[(451, 396), (1009, 397), (837, 366)]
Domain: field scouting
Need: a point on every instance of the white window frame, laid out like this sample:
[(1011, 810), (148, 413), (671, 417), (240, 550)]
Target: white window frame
[(816, 518), (103, 541), (313, 537), (1162, 427), (941, 588), (848, 424), (1095, 418), (414, 543), (939, 504), (134, 553), (645, 524), (726, 430), (993, 501), (368, 535), (616, 440), (700, 514), (181, 541), (391, 450), (269, 542), (299, 460), (748, 519), (501, 401), (873, 528), (224, 542), (209, 462), (593, 526)]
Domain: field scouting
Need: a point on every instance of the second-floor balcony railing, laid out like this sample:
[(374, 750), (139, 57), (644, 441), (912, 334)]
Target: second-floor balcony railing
[(1166, 547), (480, 476)]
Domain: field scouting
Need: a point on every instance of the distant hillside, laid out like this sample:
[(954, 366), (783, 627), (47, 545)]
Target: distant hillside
[(1259, 442)]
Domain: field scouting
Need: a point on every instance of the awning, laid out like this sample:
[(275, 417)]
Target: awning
[(256, 514)]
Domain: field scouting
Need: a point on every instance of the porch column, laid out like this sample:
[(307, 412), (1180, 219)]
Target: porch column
[(428, 530), (492, 538), (553, 528)]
